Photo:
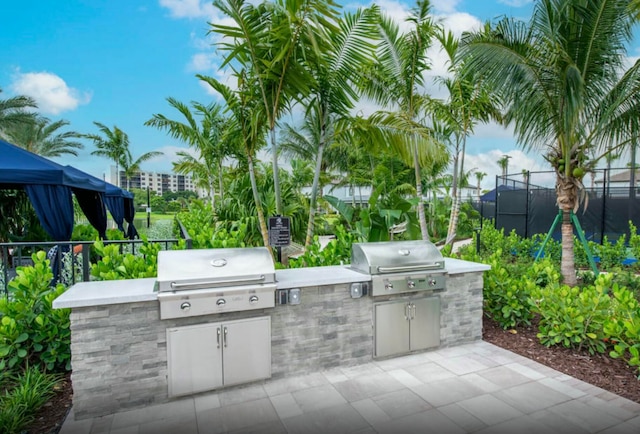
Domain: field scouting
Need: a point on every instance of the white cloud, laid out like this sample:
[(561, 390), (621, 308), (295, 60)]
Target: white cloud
[(51, 93), (488, 163), (515, 3), (188, 8), (444, 6)]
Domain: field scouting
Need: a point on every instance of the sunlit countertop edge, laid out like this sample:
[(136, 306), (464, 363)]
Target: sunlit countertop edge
[(98, 293)]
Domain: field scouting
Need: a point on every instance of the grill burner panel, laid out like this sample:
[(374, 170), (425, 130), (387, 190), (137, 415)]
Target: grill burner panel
[(211, 281), (397, 267)]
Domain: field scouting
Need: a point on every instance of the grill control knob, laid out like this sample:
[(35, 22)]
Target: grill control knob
[(432, 282), (253, 299), (388, 286), (411, 284), (186, 306), (221, 302)]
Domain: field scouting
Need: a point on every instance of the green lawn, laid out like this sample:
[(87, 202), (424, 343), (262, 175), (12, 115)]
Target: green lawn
[(141, 215)]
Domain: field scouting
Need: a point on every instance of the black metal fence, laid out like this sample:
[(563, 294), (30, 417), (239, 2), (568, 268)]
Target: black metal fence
[(71, 260), (526, 203)]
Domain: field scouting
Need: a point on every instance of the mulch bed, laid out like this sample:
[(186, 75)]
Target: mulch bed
[(600, 370), (614, 375)]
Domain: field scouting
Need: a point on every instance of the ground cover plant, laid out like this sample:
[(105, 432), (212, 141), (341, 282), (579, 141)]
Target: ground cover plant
[(600, 315), (34, 344)]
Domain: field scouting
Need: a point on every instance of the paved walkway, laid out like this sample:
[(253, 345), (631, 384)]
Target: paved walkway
[(471, 388)]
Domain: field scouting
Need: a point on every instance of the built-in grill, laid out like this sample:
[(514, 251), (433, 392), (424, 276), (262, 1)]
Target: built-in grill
[(211, 281), (397, 267)]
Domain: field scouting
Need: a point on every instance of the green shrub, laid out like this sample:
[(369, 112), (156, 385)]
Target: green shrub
[(84, 233), (573, 317), (31, 331), (336, 252), (611, 255), (622, 327), (24, 394), (506, 294), (114, 265)]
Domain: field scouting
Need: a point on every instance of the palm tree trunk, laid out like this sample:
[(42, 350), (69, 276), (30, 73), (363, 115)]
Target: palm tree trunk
[(312, 199), (276, 177), (220, 184), (567, 196), (457, 197), (421, 216), (256, 197)]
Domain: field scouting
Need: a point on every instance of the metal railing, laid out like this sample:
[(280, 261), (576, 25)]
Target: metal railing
[(77, 266)]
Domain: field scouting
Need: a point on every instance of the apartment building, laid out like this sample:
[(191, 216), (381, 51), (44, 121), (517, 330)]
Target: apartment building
[(157, 182)]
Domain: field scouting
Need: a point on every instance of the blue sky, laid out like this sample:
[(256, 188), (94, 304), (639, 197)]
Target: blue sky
[(116, 62)]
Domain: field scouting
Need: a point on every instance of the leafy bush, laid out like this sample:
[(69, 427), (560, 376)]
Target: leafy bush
[(611, 254), (84, 233), (336, 252), (622, 327), (115, 265), (506, 298), (573, 317), (24, 394), (31, 331)]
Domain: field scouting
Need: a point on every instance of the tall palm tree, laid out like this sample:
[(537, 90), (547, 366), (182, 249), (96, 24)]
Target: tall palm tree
[(345, 52), (396, 79), (561, 77), (246, 130), (503, 163), (202, 129), (469, 102), (479, 177), (13, 112), (114, 145), (42, 137), (269, 43)]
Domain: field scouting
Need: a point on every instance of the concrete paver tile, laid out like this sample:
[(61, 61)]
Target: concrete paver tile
[(401, 403), (586, 417), (285, 405), (430, 372), (292, 384), (462, 417), (367, 386), (369, 410), (531, 397), (489, 409), (335, 420), (317, 398), (447, 391), (430, 421)]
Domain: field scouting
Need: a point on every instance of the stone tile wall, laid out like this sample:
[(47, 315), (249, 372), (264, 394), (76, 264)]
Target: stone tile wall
[(119, 355)]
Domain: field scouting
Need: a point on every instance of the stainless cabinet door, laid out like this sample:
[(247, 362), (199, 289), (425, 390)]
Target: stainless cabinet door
[(246, 350), (425, 323), (194, 359), (392, 329)]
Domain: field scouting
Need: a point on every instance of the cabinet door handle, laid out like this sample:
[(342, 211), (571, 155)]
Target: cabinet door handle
[(413, 311), (218, 340), (406, 312), (224, 338)]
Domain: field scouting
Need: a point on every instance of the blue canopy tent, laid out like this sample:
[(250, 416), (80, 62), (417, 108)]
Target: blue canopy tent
[(49, 186), (117, 200)]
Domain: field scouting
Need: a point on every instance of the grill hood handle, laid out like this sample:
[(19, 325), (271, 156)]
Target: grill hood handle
[(194, 285), (407, 268)]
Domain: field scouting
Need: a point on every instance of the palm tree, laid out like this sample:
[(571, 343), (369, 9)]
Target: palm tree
[(114, 144), (561, 78), (13, 112), (479, 177), (202, 129), (39, 137), (395, 80), (346, 50), (245, 129), (468, 103), (268, 43), (504, 166)]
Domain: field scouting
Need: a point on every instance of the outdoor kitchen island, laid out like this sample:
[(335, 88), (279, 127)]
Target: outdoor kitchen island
[(122, 355)]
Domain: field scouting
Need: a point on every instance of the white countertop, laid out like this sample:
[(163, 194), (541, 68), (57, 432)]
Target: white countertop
[(103, 292), (107, 292)]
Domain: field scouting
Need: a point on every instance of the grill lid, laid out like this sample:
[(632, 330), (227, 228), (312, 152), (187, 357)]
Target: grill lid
[(212, 268), (395, 257)]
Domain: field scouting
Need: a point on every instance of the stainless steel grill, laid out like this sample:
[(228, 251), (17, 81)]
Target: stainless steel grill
[(400, 266), (210, 281)]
